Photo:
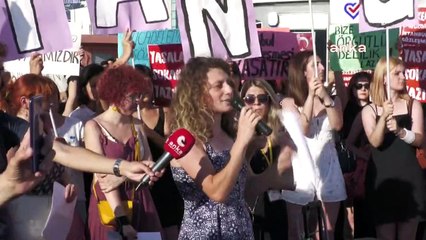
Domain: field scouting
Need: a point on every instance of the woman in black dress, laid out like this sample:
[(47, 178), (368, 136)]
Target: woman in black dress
[(394, 127)]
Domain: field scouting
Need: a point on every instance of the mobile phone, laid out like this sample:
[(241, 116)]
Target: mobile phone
[(36, 131)]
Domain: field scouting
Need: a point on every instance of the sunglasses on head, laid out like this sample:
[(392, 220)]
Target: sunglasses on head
[(359, 86), (251, 99)]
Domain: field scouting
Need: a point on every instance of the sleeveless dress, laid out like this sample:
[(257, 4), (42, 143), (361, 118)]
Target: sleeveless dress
[(144, 216), (328, 179), (166, 197), (395, 185), (206, 219)]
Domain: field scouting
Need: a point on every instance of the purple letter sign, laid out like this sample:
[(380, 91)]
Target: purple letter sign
[(33, 25), (115, 16), (224, 29)]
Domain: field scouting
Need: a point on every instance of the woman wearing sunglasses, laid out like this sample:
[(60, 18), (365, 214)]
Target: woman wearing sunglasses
[(261, 98), (319, 115), (352, 133)]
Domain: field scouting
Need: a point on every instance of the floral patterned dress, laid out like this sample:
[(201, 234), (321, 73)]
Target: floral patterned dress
[(206, 219)]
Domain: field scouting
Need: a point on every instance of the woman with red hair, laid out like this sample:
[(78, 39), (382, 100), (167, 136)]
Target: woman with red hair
[(16, 102), (116, 134)]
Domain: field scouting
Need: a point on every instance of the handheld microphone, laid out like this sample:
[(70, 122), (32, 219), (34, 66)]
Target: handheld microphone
[(261, 127), (176, 146)]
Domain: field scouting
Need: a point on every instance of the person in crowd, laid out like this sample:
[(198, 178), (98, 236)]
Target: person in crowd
[(261, 98), (319, 115), (212, 176), (393, 124), (352, 133), (83, 101), (115, 133), (17, 101), (166, 197)]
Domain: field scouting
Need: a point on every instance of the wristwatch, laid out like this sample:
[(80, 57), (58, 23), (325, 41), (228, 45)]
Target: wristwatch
[(331, 105), (116, 168)]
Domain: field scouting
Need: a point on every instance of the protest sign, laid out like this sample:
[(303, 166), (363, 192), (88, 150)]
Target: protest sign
[(413, 53), (351, 50), (378, 14), (166, 62), (344, 11), (29, 26), (57, 65), (277, 48), (115, 16), (143, 39), (225, 30)]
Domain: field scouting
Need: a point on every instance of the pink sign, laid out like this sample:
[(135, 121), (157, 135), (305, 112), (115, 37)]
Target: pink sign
[(277, 48), (33, 26), (166, 62), (116, 16)]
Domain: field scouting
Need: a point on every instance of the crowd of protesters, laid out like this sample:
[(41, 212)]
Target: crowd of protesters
[(235, 183)]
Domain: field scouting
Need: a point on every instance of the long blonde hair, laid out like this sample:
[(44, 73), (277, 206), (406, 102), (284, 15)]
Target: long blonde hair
[(191, 104), (378, 87)]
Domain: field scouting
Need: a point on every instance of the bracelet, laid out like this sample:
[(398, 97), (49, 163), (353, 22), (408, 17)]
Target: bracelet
[(116, 168), (409, 137), (331, 105)]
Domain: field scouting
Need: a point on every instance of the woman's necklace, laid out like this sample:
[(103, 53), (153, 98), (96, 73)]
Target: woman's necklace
[(269, 159)]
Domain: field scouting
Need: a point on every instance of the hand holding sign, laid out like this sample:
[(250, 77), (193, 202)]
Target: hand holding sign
[(36, 63)]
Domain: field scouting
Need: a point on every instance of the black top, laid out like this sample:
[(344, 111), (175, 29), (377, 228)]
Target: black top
[(12, 130), (166, 196), (395, 185), (275, 213)]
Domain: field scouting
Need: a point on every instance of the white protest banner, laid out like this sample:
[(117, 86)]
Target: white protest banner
[(29, 26), (57, 65), (224, 29), (116, 16), (344, 11), (378, 14)]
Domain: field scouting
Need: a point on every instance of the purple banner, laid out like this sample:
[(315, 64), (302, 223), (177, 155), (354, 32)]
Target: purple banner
[(392, 14), (214, 29), (33, 26), (116, 16)]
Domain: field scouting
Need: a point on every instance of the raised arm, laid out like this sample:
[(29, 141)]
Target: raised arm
[(218, 185), (375, 131)]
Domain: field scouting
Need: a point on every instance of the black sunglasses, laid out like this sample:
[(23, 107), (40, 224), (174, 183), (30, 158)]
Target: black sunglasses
[(261, 99), (358, 86)]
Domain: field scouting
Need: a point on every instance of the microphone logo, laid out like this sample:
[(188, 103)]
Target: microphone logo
[(176, 148), (181, 141)]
